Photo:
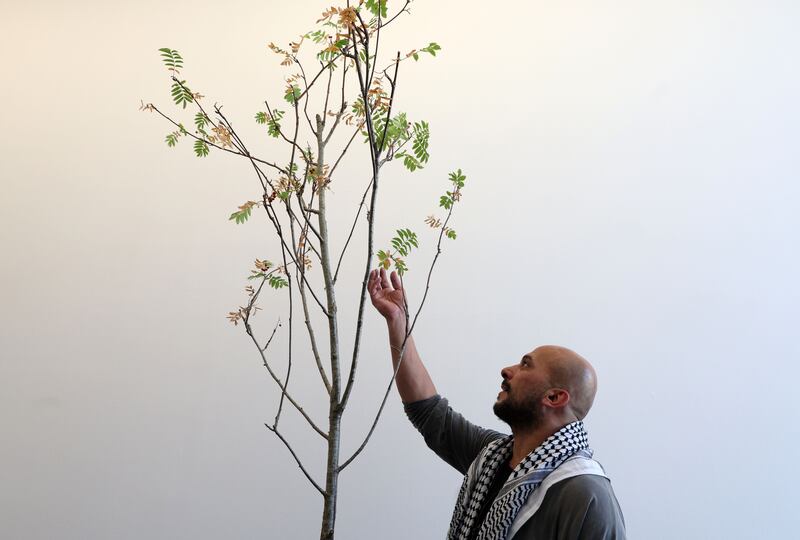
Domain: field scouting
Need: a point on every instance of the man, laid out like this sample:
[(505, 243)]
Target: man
[(538, 483)]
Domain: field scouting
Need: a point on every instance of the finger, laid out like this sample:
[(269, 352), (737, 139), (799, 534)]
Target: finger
[(396, 281), (385, 280), (375, 282)]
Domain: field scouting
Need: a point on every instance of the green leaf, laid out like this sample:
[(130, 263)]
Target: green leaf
[(396, 129), (400, 265), (172, 139), (377, 6), (201, 120), (358, 107), (181, 94), (256, 276), (451, 234), (316, 36), (171, 58), (277, 282), (379, 125), (261, 117), (292, 94), (200, 148), (331, 51), (431, 49), (404, 241), (273, 127), (445, 202), (399, 246), (411, 238), (420, 143), (242, 215), (457, 178), (409, 161)]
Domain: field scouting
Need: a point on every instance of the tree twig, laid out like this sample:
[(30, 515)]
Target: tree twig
[(294, 455), (280, 384)]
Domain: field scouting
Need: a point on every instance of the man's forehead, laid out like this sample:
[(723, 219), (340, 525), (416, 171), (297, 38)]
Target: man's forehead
[(544, 353), (541, 351)]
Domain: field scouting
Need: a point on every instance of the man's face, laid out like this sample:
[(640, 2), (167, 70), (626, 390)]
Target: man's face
[(519, 404)]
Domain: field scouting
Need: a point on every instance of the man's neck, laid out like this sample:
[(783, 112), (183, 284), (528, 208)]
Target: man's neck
[(526, 441)]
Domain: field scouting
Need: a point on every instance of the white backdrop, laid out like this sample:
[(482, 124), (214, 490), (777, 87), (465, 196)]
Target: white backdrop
[(632, 193)]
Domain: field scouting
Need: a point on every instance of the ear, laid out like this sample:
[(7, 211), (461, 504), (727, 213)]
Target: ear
[(556, 398)]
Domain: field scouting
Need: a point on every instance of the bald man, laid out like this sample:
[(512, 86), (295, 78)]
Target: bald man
[(540, 482)]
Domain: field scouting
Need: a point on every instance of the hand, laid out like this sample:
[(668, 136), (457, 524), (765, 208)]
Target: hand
[(387, 297)]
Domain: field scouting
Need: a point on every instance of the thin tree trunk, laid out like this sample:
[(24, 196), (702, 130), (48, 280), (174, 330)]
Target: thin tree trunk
[(335, 413), (332, 479)]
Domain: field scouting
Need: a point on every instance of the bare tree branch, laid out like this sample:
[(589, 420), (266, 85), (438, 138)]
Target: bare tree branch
[(291, 320), (280, 384), (358, 128), (294, 455), (304, 95), (352, 229)]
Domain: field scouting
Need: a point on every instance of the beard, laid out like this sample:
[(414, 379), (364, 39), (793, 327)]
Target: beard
[(525, 413)]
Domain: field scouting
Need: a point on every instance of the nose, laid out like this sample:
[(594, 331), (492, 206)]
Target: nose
[(506, 373)]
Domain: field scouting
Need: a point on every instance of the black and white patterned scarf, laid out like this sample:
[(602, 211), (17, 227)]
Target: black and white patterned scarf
[(526, 477)]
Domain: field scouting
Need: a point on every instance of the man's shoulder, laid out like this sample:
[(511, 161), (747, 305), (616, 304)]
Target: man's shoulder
[(582, 506), (583, 487)]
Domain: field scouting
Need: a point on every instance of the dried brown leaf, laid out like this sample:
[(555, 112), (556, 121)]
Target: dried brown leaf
[(223, 135)]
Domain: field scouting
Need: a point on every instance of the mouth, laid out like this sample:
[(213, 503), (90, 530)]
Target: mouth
[(503, 388)]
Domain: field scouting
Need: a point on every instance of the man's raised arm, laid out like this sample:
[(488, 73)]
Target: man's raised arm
[(413, 381), (446, 432)]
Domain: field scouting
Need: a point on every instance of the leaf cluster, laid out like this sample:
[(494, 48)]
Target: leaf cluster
[(292, 93), (272, 121), (172, 59), (172, 138), (244, 212), (273, 278), (420, 136), (447, 200), (377, 7), (403, 242), (201, 148), (430, 49)]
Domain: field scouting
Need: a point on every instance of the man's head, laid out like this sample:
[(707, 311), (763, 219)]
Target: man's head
[(551, 386)]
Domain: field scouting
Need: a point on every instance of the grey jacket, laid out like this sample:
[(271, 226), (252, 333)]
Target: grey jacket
[(580, 507)]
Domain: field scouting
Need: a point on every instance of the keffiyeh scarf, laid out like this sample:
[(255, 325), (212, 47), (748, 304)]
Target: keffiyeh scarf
[(527, 476)]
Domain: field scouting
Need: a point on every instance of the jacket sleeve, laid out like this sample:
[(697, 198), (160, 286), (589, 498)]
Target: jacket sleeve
[(454, 439)]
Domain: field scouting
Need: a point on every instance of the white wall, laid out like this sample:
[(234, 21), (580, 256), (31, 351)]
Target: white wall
[(632, 193)]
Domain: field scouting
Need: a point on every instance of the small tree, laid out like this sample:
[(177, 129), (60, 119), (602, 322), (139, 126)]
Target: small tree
[(293, 195)]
